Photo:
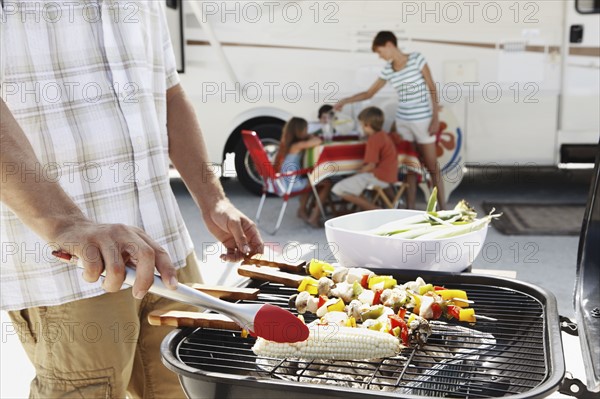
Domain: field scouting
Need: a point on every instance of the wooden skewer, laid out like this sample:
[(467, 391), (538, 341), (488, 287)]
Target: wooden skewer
[(478, 316), (271, 274), (463, 300), (276, 262), (175, 318)]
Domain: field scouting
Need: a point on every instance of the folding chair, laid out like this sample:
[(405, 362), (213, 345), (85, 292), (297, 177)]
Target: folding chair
[(387, 197), (276, 183)]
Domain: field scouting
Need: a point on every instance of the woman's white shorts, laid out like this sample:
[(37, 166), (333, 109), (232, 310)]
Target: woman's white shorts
[(415, 131)]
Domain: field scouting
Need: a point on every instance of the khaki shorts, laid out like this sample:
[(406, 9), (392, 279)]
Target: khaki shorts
[(101, 347), (415, 131), (356, 184)]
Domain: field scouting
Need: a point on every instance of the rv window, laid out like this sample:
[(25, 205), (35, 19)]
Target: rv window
[(587, 6)]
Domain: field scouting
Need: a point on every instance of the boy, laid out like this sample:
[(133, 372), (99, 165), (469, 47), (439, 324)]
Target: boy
[(380, 165), (324, 112)]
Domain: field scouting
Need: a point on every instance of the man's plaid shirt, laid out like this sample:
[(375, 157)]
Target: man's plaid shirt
[(87, 82)]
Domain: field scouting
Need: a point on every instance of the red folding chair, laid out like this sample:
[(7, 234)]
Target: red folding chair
[(276, 183)]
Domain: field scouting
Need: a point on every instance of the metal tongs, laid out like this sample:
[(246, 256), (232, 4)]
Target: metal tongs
[(264, 320)]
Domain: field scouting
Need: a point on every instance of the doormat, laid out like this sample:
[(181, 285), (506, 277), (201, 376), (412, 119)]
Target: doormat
[(537, 219)]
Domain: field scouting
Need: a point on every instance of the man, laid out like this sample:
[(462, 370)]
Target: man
[(91, 113)]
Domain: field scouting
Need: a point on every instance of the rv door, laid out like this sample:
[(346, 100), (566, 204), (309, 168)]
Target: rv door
[(579, 122)]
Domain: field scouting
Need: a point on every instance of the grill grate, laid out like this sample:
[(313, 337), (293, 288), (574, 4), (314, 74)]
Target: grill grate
[(488, 359)]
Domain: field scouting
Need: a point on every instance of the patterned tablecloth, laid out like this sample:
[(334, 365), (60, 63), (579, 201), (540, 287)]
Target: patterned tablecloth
[(346, 157)]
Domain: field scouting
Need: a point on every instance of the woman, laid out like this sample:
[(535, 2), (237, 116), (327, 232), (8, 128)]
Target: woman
[(417, 113)]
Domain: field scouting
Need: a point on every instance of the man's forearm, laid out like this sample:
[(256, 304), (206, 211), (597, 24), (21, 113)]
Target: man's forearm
[(188, 152), (41, 204)]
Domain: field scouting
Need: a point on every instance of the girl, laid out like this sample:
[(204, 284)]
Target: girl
[(294, 140)]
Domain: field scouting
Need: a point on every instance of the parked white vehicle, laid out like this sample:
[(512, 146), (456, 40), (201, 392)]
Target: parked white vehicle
[(521, 83)]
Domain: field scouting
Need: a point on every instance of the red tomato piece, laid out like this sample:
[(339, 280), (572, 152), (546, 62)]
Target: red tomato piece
[(322, 300), (453, 311), (365, 281), (402, 313), (437, 310), (377, 297)]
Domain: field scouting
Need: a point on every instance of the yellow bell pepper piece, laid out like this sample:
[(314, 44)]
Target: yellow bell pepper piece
[(388, 281), (318, 268), (376, 326), (425, 288), (336, 307), (309, 284), (386, 328), (467, 315), (417, 299), (411, 318), (351, 322), (451, 294)]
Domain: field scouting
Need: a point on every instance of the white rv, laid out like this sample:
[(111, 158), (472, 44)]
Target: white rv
[(521, 78)]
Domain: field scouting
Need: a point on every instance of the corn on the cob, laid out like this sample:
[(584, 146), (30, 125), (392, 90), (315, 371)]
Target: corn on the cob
[(335, 343)]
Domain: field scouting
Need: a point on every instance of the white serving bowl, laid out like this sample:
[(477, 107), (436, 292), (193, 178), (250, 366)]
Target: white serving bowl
[(352, 244)]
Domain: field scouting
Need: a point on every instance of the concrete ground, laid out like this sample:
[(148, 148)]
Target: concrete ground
[(547, 261)]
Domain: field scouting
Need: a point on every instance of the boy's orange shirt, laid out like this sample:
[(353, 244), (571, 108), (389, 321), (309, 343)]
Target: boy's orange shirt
[(382, 152)]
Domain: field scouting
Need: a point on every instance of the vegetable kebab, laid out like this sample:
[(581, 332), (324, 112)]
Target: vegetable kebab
[(359, 311)]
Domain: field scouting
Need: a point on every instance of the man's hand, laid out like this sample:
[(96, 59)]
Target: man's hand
[(238, 233), (112, 246)]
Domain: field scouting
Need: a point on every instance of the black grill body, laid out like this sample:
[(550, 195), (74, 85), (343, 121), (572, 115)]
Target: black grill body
[(518, 356)]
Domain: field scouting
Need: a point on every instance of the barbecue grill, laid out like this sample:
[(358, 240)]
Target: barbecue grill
[(518, 356)]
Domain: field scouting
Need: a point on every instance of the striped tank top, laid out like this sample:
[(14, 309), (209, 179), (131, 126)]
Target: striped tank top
[(414, 99)]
